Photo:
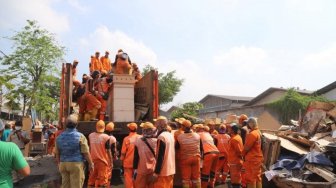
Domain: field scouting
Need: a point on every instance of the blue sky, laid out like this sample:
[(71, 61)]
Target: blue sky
[(227, 47)]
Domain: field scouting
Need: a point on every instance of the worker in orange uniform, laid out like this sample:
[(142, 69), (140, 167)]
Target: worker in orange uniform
[(253, 155), (144, 156), (103, 87), (189, 144), (122, 64), (136, 72), (95, 64), (127, 154), (242, 122), (210, 158), (92, 104), (235, 156), (74, 72), (212, 126), (101, 156), (177, 176), (242, 125), (223, 147), (165, 159), (113, 143), (79, 97), (106, 62)]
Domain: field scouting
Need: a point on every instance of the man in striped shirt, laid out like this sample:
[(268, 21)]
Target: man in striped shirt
[(189, 144)]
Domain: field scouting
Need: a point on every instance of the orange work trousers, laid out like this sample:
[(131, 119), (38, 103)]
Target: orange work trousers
[(222, 170), (208, 172), (109, 174), (102, 110), (128, 177), (91, 102), (190, 171), (235, 173), (164, 182), (99, 176), (177, 175), (252, 172), (143, 181)]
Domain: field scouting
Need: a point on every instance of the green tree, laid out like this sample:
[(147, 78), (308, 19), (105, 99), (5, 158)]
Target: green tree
[(169, 84), (290, 105), (187, 110), (34, 68)]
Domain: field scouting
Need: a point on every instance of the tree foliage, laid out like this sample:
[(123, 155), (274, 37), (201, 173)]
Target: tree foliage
[(169, 84), (189, 108), (33, 69), (290, 105)]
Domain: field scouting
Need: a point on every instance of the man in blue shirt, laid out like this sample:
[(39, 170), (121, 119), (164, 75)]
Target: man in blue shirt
[(71, 149)]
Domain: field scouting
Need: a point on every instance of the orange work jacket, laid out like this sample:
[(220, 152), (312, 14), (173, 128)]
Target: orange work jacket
[(235, 150), (106, 63), (252, 149), (223, 144), (127, 150)]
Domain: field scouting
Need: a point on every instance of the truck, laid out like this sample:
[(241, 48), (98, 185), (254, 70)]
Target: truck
[(128, 101)]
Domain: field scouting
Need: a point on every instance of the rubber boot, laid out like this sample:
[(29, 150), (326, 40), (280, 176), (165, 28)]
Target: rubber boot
[(236, 185), (204, 184), (196, 185), (251, 185), (259, 185), (185, 184)]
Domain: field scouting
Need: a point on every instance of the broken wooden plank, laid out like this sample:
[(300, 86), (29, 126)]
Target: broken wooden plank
[(301, 140), (291, 146), (324, 173)]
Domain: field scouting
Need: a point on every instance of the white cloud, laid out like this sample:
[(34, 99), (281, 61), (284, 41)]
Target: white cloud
[(75, 4), (103, 39), (244, 60), (16, 12), (323, 58)]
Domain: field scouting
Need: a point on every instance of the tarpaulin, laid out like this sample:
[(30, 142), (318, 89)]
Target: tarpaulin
[(311, 157)]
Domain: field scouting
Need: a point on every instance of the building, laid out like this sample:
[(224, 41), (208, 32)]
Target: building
[(168, 112), (214, 104), (328, 91), (272, 94)]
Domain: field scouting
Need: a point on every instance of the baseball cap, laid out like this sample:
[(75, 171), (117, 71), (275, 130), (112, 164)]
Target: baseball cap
[(100, 126), (160, 118), (186, 123), (132, 126), (206, 128), (147, 125), (179, 120), (109, 126)]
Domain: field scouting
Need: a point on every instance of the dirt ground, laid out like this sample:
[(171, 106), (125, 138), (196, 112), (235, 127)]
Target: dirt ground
[(45, 174)]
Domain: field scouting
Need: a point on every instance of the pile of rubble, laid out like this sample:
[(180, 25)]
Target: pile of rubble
[(304, 154), (44, 173)]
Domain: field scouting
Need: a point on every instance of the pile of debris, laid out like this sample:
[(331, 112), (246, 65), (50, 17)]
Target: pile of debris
[(304, 154), (44, 173)]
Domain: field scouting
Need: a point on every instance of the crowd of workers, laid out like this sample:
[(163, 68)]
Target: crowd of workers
[(201, 155), (91, 94)]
